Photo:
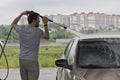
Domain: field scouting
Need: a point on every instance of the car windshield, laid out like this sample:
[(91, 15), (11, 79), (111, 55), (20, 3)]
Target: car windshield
[(99, 54)]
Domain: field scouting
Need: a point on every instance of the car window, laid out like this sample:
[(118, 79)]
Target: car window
[(68, 48), (99, 54), (70, 57)]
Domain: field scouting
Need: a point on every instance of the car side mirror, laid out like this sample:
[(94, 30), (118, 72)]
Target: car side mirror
[(63, 63)]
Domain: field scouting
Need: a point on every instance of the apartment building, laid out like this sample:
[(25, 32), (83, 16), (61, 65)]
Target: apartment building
[(91, 20), (99, 20), (88, 20), (115, 20), (62, 19), (66, 20), (83, 20), (117, 17), (74, 21)]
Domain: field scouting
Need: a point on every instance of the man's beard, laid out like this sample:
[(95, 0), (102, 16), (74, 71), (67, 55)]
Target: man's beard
[(37, 25)]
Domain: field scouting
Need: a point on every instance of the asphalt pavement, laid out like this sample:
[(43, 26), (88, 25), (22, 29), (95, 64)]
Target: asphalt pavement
[(45, 74)]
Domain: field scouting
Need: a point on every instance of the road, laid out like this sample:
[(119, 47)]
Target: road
[(45, 74)]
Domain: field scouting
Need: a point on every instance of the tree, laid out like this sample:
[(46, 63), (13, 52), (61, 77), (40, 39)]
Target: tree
[(61, 34)]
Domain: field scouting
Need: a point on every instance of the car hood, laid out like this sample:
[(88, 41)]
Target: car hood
[(99, 74)]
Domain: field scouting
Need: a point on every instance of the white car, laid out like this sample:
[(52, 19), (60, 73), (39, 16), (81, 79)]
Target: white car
[(90, 57)]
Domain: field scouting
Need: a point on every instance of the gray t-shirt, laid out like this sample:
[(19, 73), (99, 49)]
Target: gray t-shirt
[(29, 41)]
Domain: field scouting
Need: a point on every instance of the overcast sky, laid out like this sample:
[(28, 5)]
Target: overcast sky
[(12, 8)]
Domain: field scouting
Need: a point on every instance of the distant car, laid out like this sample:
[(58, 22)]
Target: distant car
[(91, 57)]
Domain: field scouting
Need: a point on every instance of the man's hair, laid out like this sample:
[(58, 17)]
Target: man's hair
[(32, 16)]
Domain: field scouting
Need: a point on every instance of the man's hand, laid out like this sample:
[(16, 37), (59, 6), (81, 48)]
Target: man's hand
[(45, 20), (46, 33)]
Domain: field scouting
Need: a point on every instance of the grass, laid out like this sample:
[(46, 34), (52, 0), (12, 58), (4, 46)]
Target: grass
[(47, 56)]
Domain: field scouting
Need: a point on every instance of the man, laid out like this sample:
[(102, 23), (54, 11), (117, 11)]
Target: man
[(30, 36)]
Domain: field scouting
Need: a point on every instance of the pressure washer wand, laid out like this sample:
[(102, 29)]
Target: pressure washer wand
[(60, 25), (55, 22), (48, 19)]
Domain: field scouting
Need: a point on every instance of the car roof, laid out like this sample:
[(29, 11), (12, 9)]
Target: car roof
[(96, 36)]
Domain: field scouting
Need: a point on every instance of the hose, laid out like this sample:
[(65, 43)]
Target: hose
[(4, 54)]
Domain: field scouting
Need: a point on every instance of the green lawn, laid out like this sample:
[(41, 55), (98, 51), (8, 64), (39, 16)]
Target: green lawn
[(47, 56)]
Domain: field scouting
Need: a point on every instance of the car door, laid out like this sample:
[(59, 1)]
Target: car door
[(70, 60), (62, 73)]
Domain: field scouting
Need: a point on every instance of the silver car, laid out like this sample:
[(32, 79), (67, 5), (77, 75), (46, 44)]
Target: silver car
[(91, 57)]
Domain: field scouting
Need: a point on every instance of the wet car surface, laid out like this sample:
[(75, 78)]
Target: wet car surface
[(91, 57)]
